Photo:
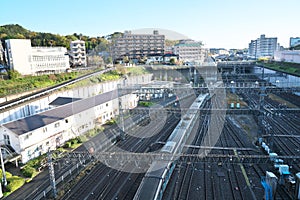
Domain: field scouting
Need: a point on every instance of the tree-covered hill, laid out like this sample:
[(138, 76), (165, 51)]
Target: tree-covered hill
[(15, 31)]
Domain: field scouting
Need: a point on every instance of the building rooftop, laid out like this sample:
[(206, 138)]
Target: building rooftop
[(188, 45)]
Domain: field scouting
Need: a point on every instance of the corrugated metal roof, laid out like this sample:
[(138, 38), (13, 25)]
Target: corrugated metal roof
[(33, 122)]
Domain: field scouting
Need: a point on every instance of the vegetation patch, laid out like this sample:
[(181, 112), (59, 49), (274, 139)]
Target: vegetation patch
[(145, 103), (286, 67), (135, 71), (282, 101), (111, 122), (18, 84), (13, 183), (29, 171), (73, 143)]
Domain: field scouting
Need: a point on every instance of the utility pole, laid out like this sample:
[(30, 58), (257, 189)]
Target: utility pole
[(122, 130), (52, 174), (4, 181)]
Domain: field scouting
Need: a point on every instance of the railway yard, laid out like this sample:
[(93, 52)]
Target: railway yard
[(207, 180), (268, 125)]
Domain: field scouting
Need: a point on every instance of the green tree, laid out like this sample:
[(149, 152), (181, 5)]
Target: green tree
[(125, 59), (108, 60), (173, 61)]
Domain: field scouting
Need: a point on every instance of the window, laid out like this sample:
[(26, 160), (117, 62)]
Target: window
[(67, 121), (56, 125), (28, 135), (44, 129), (6, 139)]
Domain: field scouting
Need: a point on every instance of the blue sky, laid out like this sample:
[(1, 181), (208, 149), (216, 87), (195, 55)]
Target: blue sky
[(218, 23)]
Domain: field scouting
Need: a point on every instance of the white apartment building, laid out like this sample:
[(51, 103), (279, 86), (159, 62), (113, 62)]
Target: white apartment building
[(78, 53), (287, 56), (29, 60), (49, 59), (190, 51), (36, 134), (263, 47)]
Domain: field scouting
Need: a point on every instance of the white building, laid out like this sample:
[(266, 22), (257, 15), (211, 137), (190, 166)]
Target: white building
[(190, 51), (1, 53), (78, 53), (263, 47), (18, 52), (287, 56), (35, 135), (29, 60), (49, 59)]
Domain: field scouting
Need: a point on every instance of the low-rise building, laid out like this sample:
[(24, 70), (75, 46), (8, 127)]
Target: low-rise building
[(287, 56), (190, 51), (218, 51), (29, 60), (46, 60), (36, 134)]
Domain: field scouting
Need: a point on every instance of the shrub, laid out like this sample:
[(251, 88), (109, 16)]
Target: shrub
[(8, 175), (36, 162), (74, 141), (29, 172), (145, 103), (111, 122), (15, 182), (68, 145)]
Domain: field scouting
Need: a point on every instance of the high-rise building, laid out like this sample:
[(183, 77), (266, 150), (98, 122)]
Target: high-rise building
[(294, 41), (190, 51), (29, 60), (263, 47), (138, 45), (78, 53)]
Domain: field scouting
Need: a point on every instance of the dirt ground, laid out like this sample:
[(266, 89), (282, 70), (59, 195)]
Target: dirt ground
[(247, 123)]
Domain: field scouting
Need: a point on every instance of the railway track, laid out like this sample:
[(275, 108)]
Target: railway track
[(115, 184), (112, 174)]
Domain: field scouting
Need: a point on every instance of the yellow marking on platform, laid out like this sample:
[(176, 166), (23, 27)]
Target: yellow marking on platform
[(243, 169)]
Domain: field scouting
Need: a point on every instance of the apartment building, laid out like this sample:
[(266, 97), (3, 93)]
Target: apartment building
[(78, 53), (35, 135), (263, 47), (138, 45), (190, 51), (29, 60)]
